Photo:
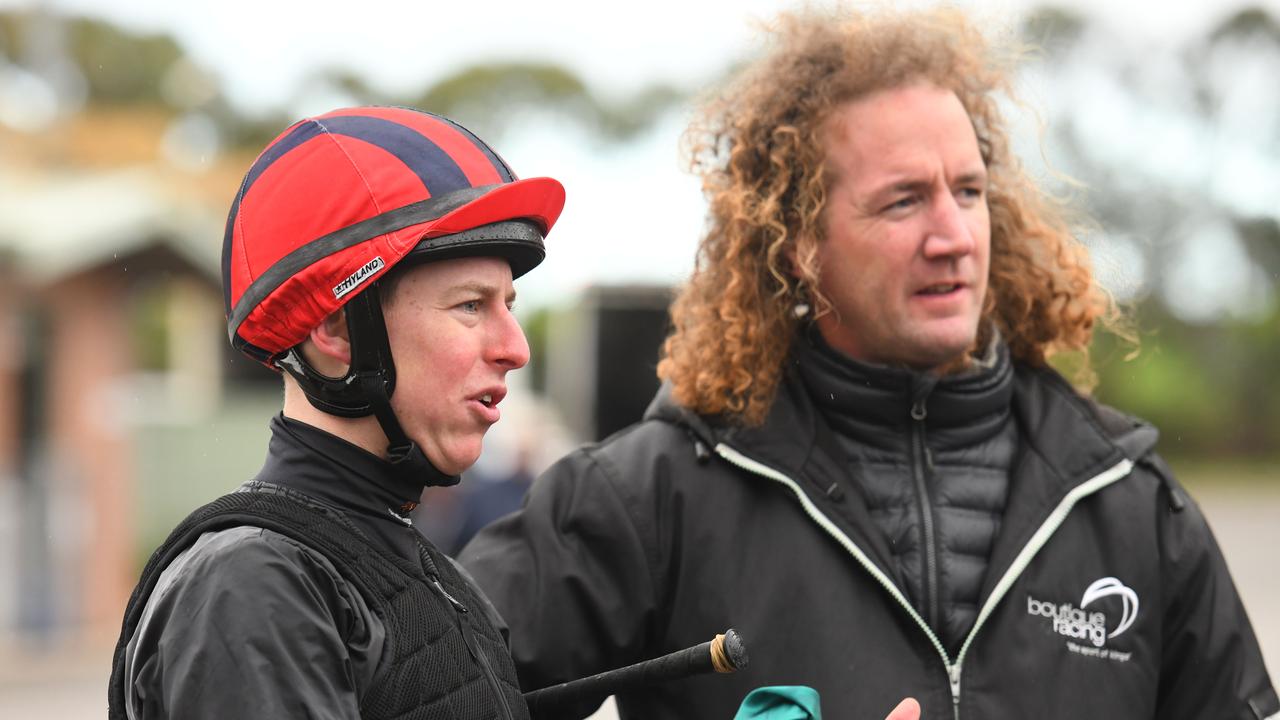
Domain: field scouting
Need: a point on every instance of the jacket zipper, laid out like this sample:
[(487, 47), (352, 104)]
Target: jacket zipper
[(1020, 563), (477, 654), (929, 553), (488, 673), (1046, 530)]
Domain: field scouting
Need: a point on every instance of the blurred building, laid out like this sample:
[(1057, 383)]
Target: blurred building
[(109, 301), (602, 357)]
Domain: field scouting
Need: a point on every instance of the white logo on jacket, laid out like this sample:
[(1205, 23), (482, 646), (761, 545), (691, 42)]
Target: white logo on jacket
[(1073, 621)]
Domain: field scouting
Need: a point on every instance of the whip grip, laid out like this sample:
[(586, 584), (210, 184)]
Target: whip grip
[(724, 654)]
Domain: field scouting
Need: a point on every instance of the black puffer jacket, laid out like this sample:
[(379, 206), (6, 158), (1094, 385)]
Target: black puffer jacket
[(1106, 595), (931, 457)]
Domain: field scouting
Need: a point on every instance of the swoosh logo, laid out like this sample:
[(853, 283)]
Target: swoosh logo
[(1106, 587)]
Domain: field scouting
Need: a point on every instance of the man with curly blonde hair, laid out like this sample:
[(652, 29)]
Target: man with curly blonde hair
[(861, 457)]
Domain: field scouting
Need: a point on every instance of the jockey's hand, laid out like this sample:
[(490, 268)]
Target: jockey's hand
[(908, 709)]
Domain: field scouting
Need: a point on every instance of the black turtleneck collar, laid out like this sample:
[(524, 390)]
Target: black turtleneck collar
[(305, 458), (878, 400), (365, 487)]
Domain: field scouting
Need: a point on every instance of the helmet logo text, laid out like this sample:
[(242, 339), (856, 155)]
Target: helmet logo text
[(357, 278)]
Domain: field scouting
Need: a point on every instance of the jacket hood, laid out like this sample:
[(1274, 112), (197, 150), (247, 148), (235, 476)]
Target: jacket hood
[(664, 407), (1087, 433)]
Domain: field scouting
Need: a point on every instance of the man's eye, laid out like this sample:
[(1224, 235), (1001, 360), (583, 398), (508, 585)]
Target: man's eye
[(901, 203), (470, 306)]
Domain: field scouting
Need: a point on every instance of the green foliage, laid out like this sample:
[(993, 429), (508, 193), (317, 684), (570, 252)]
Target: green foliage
[(505, 82), (10, 35), (1052, 26), (487, 97), (1245, 22), (535, 327), (121, 67), (1211, 389), (151, 327), (249, 134), (125, 68)]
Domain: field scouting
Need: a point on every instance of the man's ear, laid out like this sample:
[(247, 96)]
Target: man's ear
[(329, 345), (792, 265), (792, 254)]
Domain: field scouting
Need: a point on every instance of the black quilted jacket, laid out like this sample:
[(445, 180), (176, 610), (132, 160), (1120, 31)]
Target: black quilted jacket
[(931, 459)]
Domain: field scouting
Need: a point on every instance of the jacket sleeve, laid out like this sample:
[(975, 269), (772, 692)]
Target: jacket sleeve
[(1211, 665), (248, 624), (570, 573)]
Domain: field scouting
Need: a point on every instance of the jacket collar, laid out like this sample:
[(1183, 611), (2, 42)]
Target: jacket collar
[(1064, 443), (874, 404), (1071, 437), (326, 467), (794, 440), (1065, 440)]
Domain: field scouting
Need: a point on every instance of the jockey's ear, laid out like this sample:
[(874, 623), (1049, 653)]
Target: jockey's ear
[(328, 347)]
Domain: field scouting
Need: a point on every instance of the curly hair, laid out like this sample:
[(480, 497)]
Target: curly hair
[(759, 148)]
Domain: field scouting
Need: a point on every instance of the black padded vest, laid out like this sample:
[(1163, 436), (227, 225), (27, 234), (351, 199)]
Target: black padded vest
[(441, 661)]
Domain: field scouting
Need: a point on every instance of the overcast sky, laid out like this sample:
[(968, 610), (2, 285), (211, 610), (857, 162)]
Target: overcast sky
[(262, 48), (631, 215)]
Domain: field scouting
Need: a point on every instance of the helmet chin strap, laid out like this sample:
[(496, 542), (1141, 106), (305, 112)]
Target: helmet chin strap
[(406, 458), (366, 388)]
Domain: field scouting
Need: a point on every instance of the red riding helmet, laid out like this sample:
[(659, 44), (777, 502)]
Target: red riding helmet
[(335, 202)]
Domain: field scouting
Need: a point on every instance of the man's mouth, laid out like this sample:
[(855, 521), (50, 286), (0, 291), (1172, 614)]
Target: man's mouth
[(490, 399), (941, 288)]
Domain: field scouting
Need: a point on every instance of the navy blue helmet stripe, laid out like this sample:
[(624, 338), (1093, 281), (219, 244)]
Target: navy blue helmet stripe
[(438, 172), (226, 255), (226, 246), (504, 171)]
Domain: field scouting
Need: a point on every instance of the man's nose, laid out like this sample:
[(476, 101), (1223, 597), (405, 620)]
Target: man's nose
[(509, 348), (949, 234)]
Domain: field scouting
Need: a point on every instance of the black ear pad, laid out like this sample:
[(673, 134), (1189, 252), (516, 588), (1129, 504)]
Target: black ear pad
[(370, 356)]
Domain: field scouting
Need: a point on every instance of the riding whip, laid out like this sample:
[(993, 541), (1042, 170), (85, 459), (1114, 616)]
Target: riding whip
[(724, 654)]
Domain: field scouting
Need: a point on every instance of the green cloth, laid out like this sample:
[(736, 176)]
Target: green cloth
[(781, 702)]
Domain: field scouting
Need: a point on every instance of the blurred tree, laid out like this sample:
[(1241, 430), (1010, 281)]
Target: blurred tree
[(120, 67), (1246, 22), (488, 97), (1052, 27), (535, 325), (1261, 237), (1175, 146)]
